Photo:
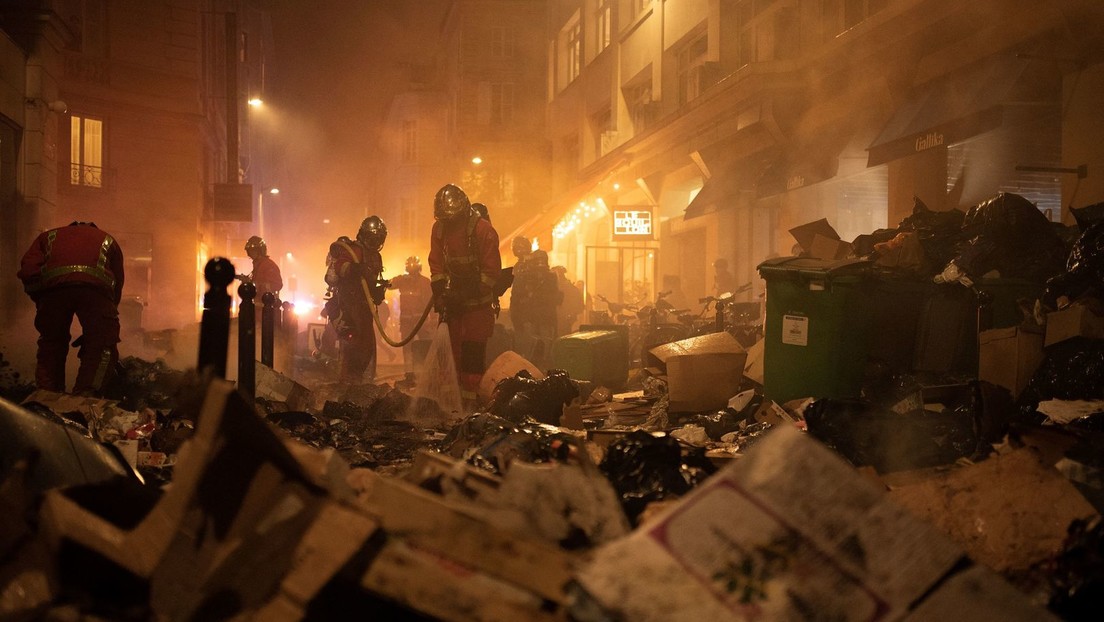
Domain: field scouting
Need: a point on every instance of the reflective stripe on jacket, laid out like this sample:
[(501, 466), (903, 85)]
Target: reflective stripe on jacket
[(76, 254)]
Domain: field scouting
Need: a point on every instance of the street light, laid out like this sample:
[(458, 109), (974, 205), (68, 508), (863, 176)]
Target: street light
[(260, 208), (255, 102)]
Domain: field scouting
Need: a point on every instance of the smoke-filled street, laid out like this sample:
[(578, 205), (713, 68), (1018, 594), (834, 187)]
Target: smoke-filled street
[(578, 310)]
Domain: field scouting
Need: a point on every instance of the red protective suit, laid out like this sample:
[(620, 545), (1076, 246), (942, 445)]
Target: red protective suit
[(414, 294), (350, 268), (75, 270), (266, 276), (464, 256)]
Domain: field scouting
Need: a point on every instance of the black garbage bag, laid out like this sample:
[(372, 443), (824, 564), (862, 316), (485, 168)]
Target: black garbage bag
[(1077, 573), (722, 422), (1071, 370), (524, 397), (888, 441), (644, 468), (492, 443), (1087, 216), (1084, 268), (1009, 234), (938, 232)]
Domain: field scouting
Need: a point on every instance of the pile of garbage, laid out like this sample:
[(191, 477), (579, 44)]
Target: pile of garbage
[(257, 525)]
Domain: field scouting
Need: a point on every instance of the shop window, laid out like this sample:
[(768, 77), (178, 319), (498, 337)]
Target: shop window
[(85, 152)]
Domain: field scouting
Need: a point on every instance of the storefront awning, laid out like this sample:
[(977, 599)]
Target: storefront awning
[(726, 189), (949, 110), (789, 174)]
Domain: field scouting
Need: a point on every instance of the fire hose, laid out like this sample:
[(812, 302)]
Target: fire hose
[(383, 333)]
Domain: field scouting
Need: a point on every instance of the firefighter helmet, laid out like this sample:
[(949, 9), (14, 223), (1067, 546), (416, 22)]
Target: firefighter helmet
[(255, 247), (480, 210), (522, 247), (413, 265), (451, 203), (372, 233)]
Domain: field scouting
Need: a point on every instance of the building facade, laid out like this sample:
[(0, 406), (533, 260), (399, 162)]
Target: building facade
[(128, 113), (685, 131), (474, 116)]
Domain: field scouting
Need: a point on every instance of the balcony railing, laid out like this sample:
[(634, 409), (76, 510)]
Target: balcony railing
[(82, 175)]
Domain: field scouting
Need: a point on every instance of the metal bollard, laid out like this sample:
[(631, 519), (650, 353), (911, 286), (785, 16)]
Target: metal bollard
[(214, 329), (290, 332), (268, 326), (247, 340)]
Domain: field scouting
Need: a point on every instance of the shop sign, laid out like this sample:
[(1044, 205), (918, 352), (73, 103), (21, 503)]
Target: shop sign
[(632, 224)]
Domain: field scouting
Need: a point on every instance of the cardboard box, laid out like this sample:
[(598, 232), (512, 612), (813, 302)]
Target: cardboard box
[(824, 247), (1009, 357), (1074, 321), (805, 233), (786, 530), (702, 372), (819, 240)]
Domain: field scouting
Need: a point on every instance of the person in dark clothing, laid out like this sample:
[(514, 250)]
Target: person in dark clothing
[(76, 270), (353, 269)]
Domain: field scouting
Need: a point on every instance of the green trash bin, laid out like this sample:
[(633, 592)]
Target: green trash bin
[(817, 327), (599, 356)]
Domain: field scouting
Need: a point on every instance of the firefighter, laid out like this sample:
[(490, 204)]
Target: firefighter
[(521, 292), (353, 269), (481, 210), (414, 294), (464, 267), (266, 272), (75, 270)]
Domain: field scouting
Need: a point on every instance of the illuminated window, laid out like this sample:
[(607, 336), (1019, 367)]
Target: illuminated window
[(503, 42), (574, 51), (603, 25), (86, 152), (410, 141), (502, 103)]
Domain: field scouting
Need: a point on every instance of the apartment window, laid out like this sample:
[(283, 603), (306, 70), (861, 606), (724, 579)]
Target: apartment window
[(603, 25), (691, 69), (410, 141), (766, 30), (85, 152), (569, 52), (642, 110), (503, 42), (574, 51), (502, 103)]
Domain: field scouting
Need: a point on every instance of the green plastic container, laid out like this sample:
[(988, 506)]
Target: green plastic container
[(817, 328), (600, 356)]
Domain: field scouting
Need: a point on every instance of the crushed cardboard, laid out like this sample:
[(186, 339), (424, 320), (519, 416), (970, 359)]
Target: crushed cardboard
[(1008, 512)]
